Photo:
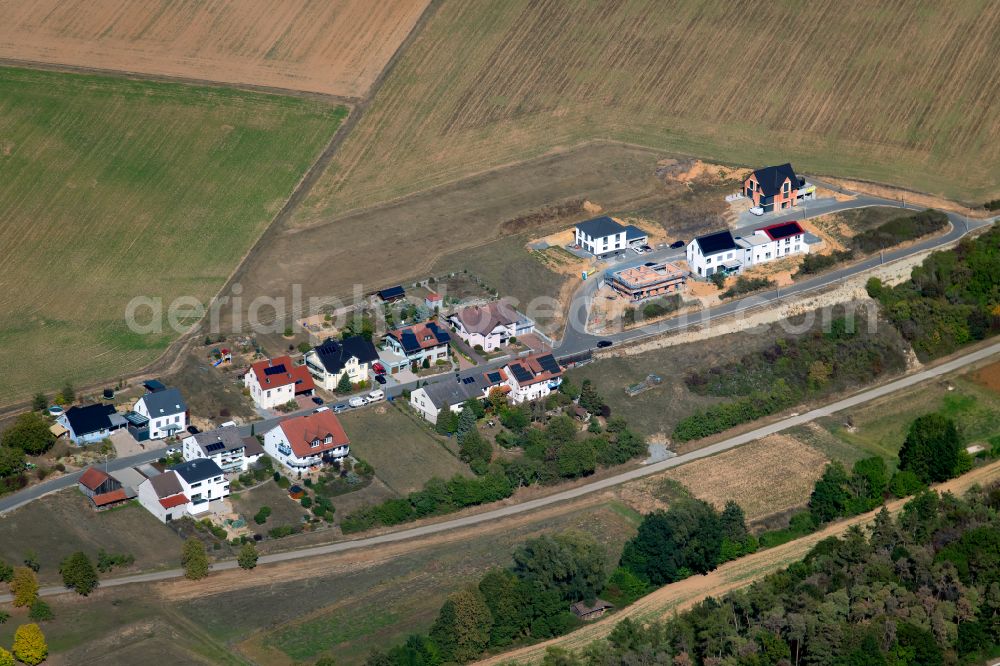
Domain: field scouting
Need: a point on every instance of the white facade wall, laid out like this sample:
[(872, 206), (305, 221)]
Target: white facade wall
[(268, 398), (601, 244), (355, 370), (276, 445), (158, 424), (149, 501)]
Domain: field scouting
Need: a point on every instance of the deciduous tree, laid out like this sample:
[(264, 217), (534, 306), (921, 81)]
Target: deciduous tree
[(78, 573), (931, 449), (248, 556), (462, 628), (30, 433), (29, 644), (194, 559), (24, 586)]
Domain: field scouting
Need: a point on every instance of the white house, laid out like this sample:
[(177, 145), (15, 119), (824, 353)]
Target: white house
[(276, 381), (774, 242), (307, 441), (714, 253), (185, 489), (429, 400), (491, 326), (165, 411), (533, 377), (225, 447), (91, 423), (418, 342), (328, 362), (603, 235)]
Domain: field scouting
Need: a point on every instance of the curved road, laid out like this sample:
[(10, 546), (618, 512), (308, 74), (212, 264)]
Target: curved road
[(572, 493)]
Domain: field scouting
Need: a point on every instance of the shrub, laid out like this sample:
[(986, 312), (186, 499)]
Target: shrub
[(262, 515), (40, 611), (745, 285)]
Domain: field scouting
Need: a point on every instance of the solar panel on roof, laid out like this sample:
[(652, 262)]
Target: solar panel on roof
[(521, 373), (215, 446), (784, 230), (494, 377), (549, 363), (469, 380), (409, 341), (275, 370)]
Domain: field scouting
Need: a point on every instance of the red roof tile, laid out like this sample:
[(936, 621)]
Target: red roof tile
[(109, 498), (293, 374), (302, 431), (173, 500), (92, 478)]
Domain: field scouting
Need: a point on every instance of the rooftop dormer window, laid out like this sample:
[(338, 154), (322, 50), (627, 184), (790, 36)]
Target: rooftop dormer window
[(316, 442), (328, 440)]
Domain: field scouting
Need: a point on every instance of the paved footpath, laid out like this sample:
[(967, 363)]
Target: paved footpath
[(572, 493)]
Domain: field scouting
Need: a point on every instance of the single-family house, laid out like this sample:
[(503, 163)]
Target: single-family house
[(714, 253), (225, 447), (185, 489), (429, 400), (307, 441), (421, 341), (603, 235), (165, 412), (490, 326), (774, 187), (533, 377), (328, 362), (90, 423), (773, 242), (638, 283), (103, 490), (277, 381)]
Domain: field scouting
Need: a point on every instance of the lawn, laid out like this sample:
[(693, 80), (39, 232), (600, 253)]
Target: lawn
[(488, 83), (404, 452), (62, 523), (284, 510), (112, 189)]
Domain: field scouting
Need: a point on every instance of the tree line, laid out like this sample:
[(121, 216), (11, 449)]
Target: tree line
[(921, 589)]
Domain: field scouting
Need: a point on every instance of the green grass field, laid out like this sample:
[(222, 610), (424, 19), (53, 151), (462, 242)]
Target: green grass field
[(111, 189), (902, 93)]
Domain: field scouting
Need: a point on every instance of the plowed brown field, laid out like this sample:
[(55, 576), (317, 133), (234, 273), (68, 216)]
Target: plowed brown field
[(336, 47), (902, 93)]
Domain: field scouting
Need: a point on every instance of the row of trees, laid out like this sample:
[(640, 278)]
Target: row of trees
[(950, 300), (528, 600), (920, 589)]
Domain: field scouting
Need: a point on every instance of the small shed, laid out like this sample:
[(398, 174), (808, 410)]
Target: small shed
[(590, 612), (392, 294), (433, 301)]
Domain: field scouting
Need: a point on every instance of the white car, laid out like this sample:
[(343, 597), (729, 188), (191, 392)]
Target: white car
[(757, 210), (357, 401), (375, 395), (324, 408)]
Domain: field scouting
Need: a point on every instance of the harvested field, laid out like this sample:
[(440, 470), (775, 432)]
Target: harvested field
[(486, 83), (112, 189), (989, 376), (766, 477), (336, 47)]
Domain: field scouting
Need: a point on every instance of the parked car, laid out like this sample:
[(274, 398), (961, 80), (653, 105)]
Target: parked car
[(227, 424), (604, 344), (324, 408), (757, 210), (380, 379), (357, 401), (378, 368), (637, 249), (318, 400), (676, 244), (646, 248), (377, 394), (342, 407), (649, 263)]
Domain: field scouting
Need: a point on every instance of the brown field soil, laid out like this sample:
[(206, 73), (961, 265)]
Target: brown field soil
[(486, 84), (765, 477), (480, 224), (733, 575), (336, 47), (989, 376)]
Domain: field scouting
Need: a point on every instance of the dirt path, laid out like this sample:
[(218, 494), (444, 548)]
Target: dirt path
[(730, 576)]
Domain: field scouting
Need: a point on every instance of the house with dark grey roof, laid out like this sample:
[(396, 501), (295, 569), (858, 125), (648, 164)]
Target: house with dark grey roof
[(164, 410), (714, 253), (431, 399), (776, 187), (603, 235), (328, 362), (87, 424), (185, 489), (418, 342), (223, 446)]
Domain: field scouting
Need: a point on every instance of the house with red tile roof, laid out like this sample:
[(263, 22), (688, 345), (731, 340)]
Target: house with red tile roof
[(103, 489), (307, 441), (276, 381), (417, 342), (185, 489), (533, 377)]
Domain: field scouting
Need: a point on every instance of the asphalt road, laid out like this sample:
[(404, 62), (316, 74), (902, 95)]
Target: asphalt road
[(572, 493)]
